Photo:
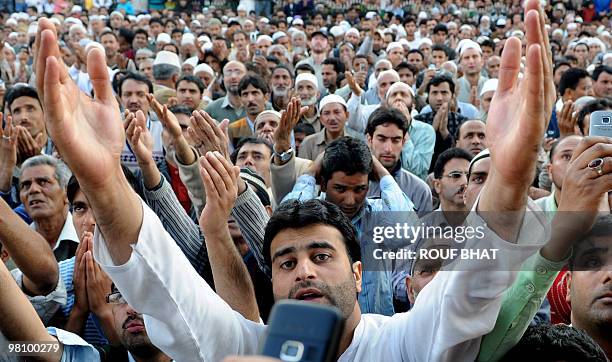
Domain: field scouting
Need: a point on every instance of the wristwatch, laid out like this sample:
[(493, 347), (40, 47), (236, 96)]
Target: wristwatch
[(285, 156)]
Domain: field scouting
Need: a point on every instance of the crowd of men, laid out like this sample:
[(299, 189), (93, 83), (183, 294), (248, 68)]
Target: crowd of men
[(170, 170)]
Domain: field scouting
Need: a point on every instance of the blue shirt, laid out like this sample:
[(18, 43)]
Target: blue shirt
[(377, 292), (75, 348)]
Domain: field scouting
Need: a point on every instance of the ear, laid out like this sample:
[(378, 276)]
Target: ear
[(369, 140), (4, 255), (269, 210), (549, 170), (324, 185), (436, 185), (406, 138), (357, 273), (410, 291), (568, 276)]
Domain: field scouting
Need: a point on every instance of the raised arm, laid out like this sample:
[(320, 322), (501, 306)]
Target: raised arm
[(30, 252)]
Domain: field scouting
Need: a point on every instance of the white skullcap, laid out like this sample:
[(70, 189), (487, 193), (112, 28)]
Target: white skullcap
[(557, 31), (116, 13), (166, 57), (203, 67), (579, 19), (501, 22), (352, 31), (196, 22), (387, 72), (264, 113), (605, 33), (308, 77), (131, 18), (422, 15), (297, 21), (11, 22), (32, 29), (73, 21), (518, 33), (163, 38), (204, 39), (145, 51), (489, 86), (188, 38), (332, 98), (404, 42), (76, 9), (393, 45), (264, 20), (263, 37), (469, 44), (206, 46), (13, 34), (9, 47), (485, 17), (395, 86), (370, 15), (336, 31), (425, 41), (140, 17), (345, 25), (572, 26), (193, 61), (465, 26), (241, 7), (278, 35)]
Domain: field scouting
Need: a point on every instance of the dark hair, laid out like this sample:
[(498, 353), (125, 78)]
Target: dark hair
[(336, 63), (73, 184), (571, 78), (305, 128), (440, 48), (127, 34), (170, 21), (181, 109), (256, 81), (304, 66), (250, 140), (294, 214), (487, 43), (599, 104), (155, 20), (440, 27), (409, 19), (19, 91), (176, 50), (240, 32), (141, 31), (384, 115), (346, 154), (601, 69), (458, 133), (406, 65), (283, 66), (192, 79), (109, 32), (555, 342), (412, 51), (560, 63), (136, 77), (176, 30), (601, 228), (442, 78), (448, 155)]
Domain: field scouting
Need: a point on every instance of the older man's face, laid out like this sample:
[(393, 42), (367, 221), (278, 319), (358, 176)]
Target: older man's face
[(41, 193)]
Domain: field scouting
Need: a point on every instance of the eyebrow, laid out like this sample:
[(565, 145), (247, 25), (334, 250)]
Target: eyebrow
[(593, 250), (313, 245)]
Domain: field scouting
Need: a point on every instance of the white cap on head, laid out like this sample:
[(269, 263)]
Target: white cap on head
[(72, 20), (297, 21), (370, 15), (76, 9), (13, 34), (422, 15), (393, 45), (557, 31), (166, 57), (308, 77), (163, 38), (264, 20), (332, 98), (425, 41), (404, 42), (193, 61), (465, 27), (241, 7), (336, 30), (517, 33), (469, 44), (203, 67), (387, 72), (33, 29), (572, 26), (265, 113), (263, 37), (11, 22), (397, 85), (204, 39), (117, 13), (188, 38), (196, 22), (485, 17), (489, 86), (352, 31), (501, 22), (278, 35), (9, 47), (55, 21)]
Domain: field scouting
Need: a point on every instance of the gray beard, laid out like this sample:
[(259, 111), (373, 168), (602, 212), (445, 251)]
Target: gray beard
[(310, 101)]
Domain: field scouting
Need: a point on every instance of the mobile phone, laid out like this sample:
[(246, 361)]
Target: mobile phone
[(432, 66), (363, 67), (601, 124), (257, 52), (303, 332)]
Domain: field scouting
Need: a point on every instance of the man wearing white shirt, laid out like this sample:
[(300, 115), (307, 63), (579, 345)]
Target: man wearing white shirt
[(188, 321)]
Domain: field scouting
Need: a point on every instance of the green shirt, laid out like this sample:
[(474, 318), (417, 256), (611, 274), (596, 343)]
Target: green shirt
[(520, 304)]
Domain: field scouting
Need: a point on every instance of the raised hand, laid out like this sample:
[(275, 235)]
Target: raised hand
[(79, 280), (139, 138), (8, 153), (352, 83), (220, 183), (207, 136), (517, 120), (289, 119), (568, 120), (27, 145)]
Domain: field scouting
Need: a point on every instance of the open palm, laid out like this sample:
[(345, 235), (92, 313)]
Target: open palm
[(520, 110), (88, 132)]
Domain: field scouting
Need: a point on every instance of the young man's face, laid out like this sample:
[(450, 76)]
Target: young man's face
[(333, 117), (439, 94), (451, 185), (256, 157), (348, 192), (386, 144), (82, 215), (329, 75), (312, 264), (478, 176), (253, 100), (472, 137), (406, 76), (27, 112), (188, 93)]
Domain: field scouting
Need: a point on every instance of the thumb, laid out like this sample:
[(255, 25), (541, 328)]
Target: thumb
[(224, 125)]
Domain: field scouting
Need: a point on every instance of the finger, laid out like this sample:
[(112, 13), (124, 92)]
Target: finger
[(220, 175), (53, 106), (89, 266), (207, 134), (598, 150), (44, 49), (141, 119), (510, 66), (224, 127), (98, 74), (534, 84), (209, 185), (129, 119), (136, 136), (213, 126), (131, 126)]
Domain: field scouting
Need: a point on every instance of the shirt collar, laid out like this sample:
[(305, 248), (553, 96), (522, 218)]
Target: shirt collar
[(320, 137), (68, 231)]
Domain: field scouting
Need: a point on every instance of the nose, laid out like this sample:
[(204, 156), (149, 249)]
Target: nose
[(304, 270), (89, 223), (349, 198), (249, 161)]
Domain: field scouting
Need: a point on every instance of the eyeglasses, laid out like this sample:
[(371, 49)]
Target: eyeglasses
[(455, 175), (115, 298)]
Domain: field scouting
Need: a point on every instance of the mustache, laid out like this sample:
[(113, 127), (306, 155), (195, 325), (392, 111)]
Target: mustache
[(132, 318), (322, 287)]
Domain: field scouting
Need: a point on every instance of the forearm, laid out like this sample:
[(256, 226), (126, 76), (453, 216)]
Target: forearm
[(150, 173), (6, 175), (30, 252), (282, 177), (232, 280), (107, 323), (118, 212), (184, 153), (190, 175), (18, 320), (76, 320)]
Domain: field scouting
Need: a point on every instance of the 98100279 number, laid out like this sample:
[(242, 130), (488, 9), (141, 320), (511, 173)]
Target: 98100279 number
[(17, 348)]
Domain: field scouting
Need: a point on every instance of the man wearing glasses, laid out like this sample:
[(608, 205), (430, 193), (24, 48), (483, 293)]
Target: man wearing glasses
[(450, 182)]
